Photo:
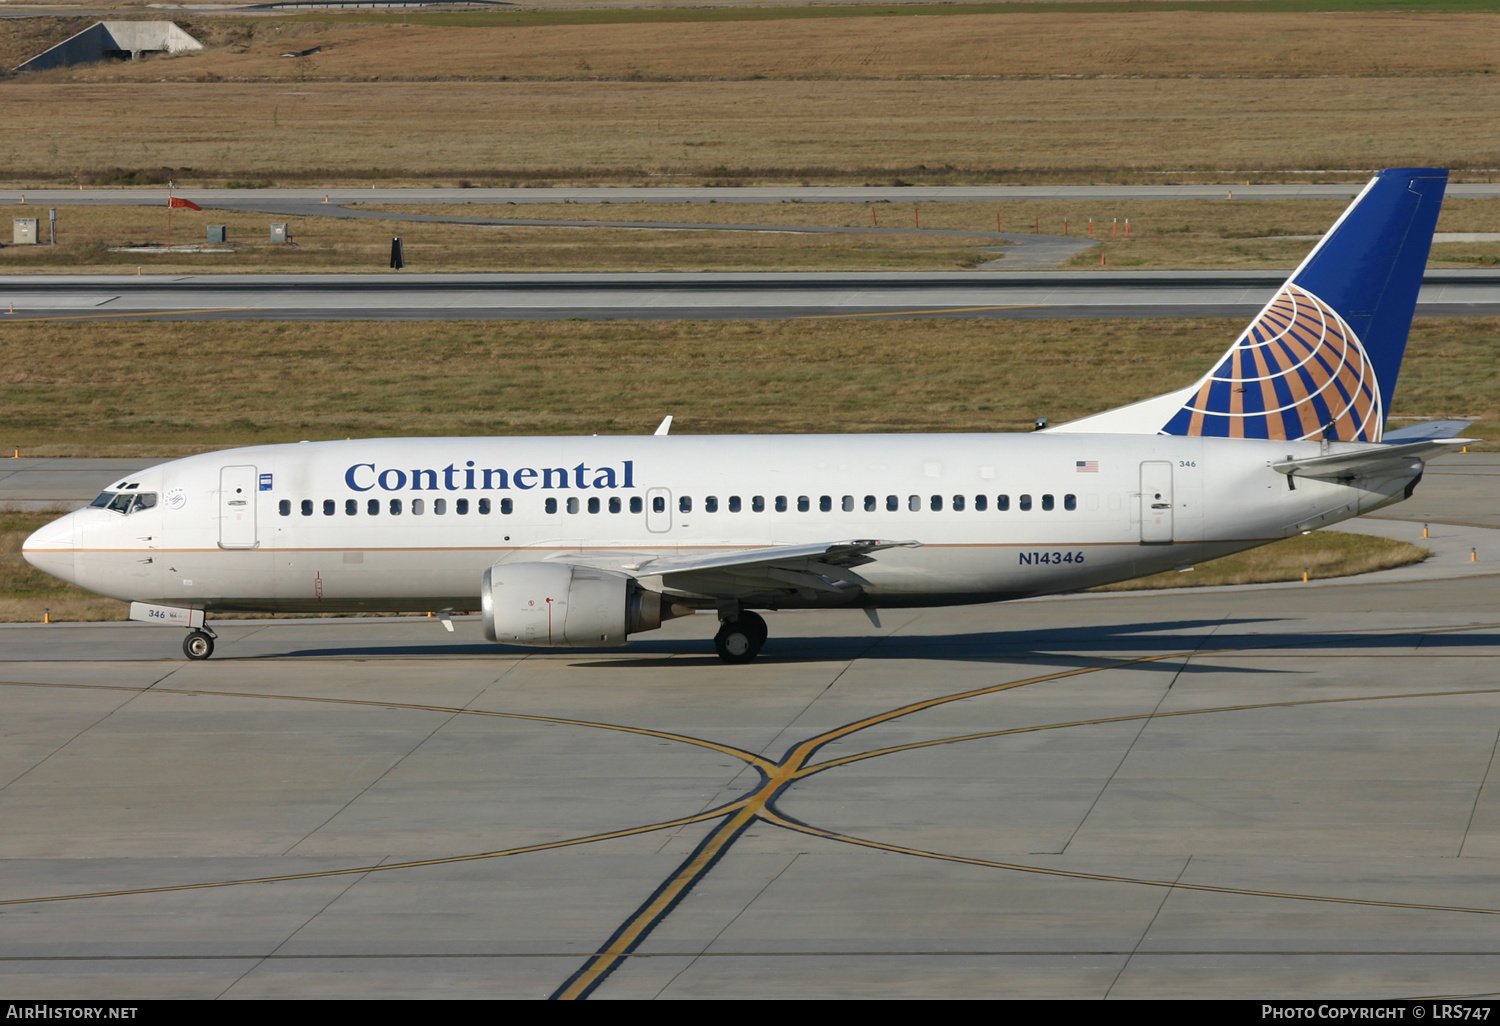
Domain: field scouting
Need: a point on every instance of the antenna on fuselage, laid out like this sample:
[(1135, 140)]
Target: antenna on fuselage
[(665, 427)]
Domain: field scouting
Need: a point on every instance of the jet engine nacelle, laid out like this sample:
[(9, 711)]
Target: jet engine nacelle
[(559, 605)]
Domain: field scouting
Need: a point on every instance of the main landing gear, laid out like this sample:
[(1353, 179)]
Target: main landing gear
[(740, 637), (199, 644)]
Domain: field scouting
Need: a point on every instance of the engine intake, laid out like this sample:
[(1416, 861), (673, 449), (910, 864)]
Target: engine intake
[(560, 605)]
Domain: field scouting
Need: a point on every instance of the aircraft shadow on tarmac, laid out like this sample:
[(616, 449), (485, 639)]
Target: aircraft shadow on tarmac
[(1072, 645)]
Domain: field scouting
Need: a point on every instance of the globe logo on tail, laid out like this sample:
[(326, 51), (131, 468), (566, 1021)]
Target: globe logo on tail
[(1298, 372)]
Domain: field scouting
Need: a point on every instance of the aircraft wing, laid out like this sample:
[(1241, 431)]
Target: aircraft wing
[(817, 567), (1366, 460)]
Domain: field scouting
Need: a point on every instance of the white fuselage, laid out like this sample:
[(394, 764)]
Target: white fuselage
[(412, 524)]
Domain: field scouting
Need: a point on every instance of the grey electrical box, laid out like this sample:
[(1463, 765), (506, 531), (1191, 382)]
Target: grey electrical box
[(25, 231), (279, 233), (218, 233)]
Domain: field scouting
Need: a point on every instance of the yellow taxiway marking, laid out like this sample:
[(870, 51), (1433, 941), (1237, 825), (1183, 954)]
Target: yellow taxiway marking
[(759, 762), (913, 313), (353, 870), (737, 815), (10, 319), (791, 824)]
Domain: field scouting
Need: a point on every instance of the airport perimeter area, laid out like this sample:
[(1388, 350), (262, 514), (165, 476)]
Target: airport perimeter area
[(1280, 789)]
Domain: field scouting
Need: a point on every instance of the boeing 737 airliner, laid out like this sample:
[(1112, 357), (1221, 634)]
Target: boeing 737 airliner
[(566, 542)]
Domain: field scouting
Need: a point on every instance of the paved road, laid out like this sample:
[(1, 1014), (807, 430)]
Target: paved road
[(274, 199), (1210, 793), (405, 296)]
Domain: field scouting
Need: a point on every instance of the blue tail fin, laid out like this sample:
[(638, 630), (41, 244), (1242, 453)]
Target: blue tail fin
[(1321, 360)]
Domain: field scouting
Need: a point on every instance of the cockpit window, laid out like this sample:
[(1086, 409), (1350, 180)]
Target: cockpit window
[(125, 502)]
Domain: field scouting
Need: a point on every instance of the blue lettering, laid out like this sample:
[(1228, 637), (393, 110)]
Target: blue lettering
[(628, 482), (605, 478), (525, 478), (448, 473), (416, 480), (469, 476), (578, 473), (400, 480), (559, 472), (349, 477), (490, 475)]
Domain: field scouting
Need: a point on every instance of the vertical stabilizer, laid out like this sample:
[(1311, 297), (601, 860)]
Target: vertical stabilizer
[(1321, 360)]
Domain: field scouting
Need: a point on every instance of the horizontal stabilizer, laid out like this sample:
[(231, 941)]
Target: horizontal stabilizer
[(1425, 431), (1366, 460)]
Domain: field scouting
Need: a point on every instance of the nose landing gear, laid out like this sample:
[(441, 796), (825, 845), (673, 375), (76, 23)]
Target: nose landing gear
[(199, 644), (740, 637)]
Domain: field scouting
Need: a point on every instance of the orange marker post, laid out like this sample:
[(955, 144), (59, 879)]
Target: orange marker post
[(1065, 226), (1039, 224), (1127, 226), (1091, 226), (997, 223), (917, 215), (874, 219)]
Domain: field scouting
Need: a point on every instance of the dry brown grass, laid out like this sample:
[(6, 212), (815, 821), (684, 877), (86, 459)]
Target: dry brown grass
[(1171, 44), (1323, 554), (744, 131), (1164, 234), (85, 235), (282, 381)]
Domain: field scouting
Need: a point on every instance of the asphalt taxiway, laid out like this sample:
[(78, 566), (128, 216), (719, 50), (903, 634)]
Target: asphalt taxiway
[(1281, 790), (668, 296)]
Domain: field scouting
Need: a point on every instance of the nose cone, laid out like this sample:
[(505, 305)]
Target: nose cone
[(50, 549)]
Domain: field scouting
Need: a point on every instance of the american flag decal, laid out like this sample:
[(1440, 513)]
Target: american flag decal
[(1087, 466)]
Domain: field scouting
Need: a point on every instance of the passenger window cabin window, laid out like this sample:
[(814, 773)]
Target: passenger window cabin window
[(417, 507), (307, 507), (958, 504), (395, 507), (658, 504), (330, 507), (781, 503), (507, 506), (937, 504), (1024, 503), (914, 503), (351, 507), (710, 504), (573, 504), (981, 503), (848, 504), (373, 507), (870, 504), (893, 503), (550, 505), (461, 507), (1070, 502), (593, 504), (758, 504), (1048, 502), (734, 504), (636, 505), (484, 507), (803, 504), (614, 504), (825, 503), (439, 507), (285, 507), (684, 503), (1002, 503)]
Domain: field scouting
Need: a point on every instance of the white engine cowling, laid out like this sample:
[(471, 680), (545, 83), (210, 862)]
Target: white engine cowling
[(559, 605)]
